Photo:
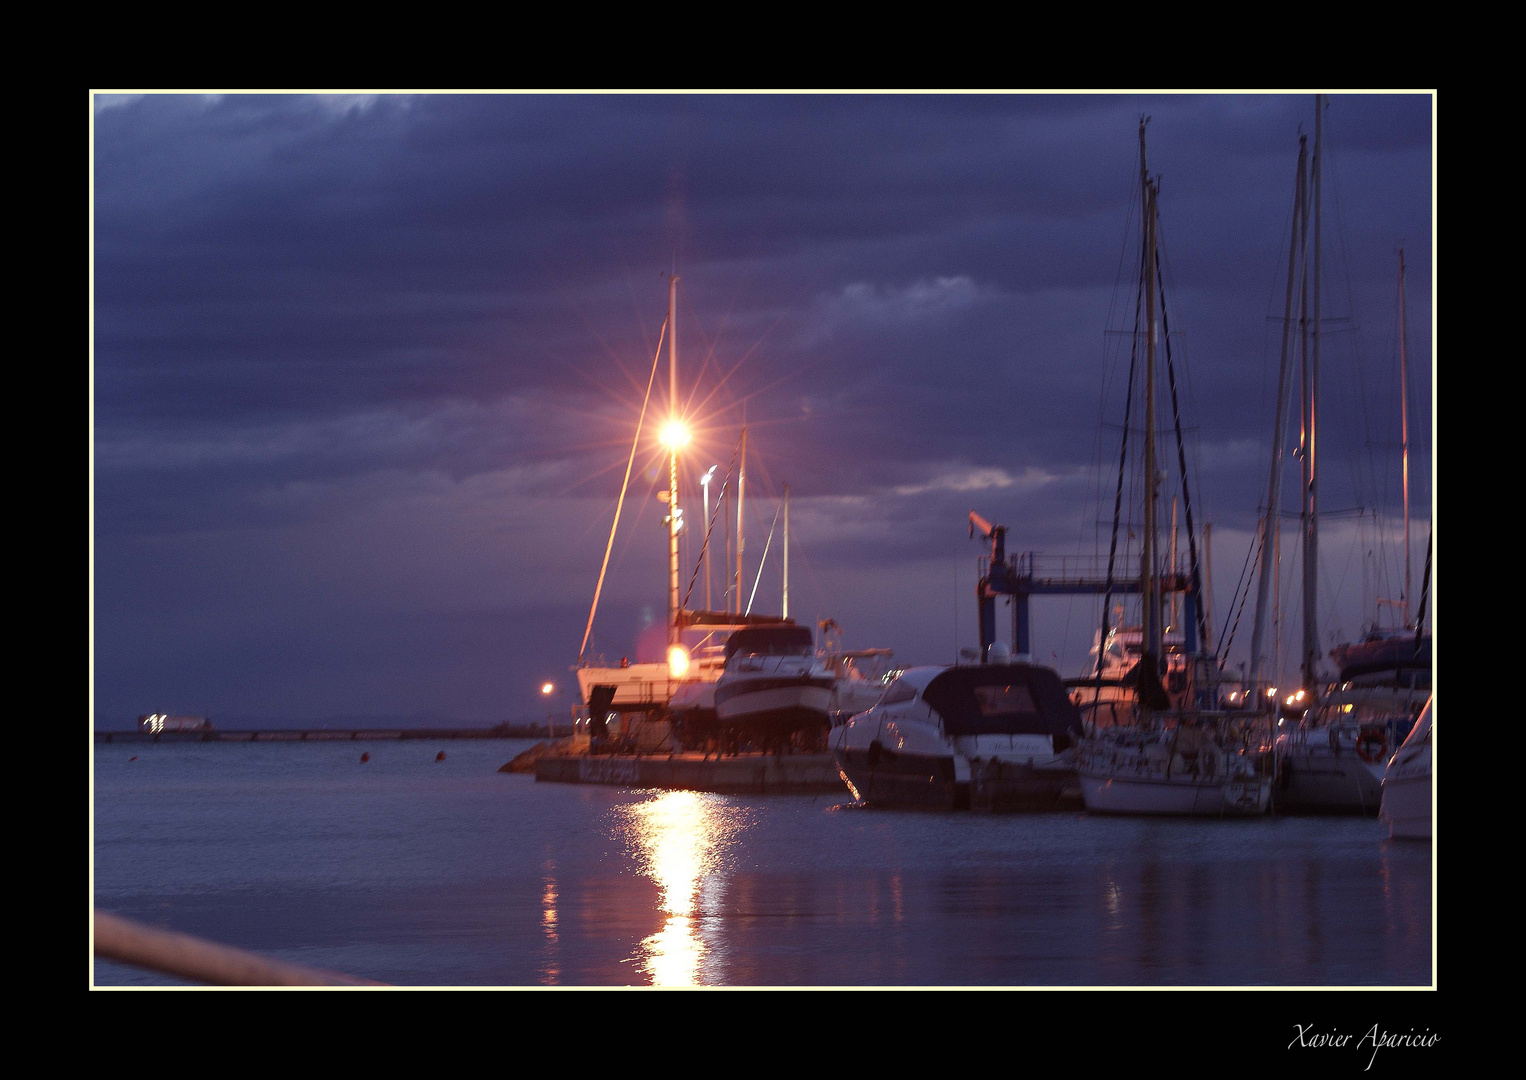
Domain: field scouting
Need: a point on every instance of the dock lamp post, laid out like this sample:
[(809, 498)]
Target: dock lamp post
[(546, 690), (675, 435), (704, 483)]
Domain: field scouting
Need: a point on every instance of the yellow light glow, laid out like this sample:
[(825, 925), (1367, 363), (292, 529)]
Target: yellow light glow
[(546, 688), (675, 434), (681, 839), (678, 661)]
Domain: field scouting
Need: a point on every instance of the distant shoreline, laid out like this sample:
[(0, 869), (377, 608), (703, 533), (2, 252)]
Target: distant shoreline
[(325, 734)]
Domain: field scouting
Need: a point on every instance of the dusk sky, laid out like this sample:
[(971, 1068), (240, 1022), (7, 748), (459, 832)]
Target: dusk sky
[(366, 370)]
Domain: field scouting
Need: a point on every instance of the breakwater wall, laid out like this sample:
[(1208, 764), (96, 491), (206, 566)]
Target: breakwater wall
[(503, 731), (745, 774)]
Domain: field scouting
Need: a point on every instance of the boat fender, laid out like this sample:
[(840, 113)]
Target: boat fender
[(1372, 746), (876, 748)]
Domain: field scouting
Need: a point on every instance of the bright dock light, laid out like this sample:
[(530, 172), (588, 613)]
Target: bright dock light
[(546, 688), (678, 661), (675, 434)]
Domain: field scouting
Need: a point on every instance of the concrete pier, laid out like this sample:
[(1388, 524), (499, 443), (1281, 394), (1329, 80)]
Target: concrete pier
[(744, 774)]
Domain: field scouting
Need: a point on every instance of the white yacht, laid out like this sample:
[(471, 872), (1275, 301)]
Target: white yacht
[(996, 736), (1407, 792), (773, 682)]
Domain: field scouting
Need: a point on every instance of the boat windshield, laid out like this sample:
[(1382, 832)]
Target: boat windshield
[(770, 641)]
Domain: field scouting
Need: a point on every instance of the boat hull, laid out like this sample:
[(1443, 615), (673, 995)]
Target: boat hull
[(886, 778), (909, 781), (1105, 794), (1125, 779), (1407, 806), (1324, 783), (784, 702), (1407, 795)]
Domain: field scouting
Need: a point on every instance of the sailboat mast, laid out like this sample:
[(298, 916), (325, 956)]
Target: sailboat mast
[(1404, 432), (784, 608), (1147, 600), (1311, 516), (741, 489), (1270, 524), (1151, 595), (673, 613)]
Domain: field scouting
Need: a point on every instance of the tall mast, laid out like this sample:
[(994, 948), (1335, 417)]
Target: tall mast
[(1208, 588), (1269, 524), (1404, 432), (1311, 474), (1150, 598), (784, 609), (673, 613), (741, 490)]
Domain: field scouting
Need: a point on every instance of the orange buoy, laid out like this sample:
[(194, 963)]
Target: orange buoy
[(440, 756), (133, 758), (365, 758)]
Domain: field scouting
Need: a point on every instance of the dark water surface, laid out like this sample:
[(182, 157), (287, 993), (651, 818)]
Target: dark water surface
[(412, 871)]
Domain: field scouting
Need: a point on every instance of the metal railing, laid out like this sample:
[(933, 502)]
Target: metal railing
[(186, 957)]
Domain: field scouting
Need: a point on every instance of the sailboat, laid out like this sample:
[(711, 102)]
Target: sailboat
[(1332, 760), (721, 684), (632, 705), (1163, 757)]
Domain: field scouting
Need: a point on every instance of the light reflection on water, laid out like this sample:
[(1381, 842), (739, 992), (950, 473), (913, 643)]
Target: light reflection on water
[(681, 839), (416, 872), (551, 970)]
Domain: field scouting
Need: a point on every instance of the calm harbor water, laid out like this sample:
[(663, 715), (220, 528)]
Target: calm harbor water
[(417, 872)]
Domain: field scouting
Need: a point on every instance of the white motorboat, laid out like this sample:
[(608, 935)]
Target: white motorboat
[(1106, 694), (859, 680), (987, 737), (1407, 792), (773, 684)]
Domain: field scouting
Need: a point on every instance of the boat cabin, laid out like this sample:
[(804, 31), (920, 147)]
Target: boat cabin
[(781, 640), (991, 699)]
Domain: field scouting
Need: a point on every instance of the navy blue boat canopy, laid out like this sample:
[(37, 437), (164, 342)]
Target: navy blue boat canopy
[(781, 640), (1399, 655), (1002, 699)]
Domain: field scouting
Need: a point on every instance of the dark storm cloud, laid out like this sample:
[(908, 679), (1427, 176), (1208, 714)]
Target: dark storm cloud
[(412, 334)]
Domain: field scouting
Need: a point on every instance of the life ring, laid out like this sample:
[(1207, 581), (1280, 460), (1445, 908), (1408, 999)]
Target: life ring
[(1372, 745)]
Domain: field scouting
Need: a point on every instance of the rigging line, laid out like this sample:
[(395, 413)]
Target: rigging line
[(762, 560), (1244, 579), (1123, 452), (620, 503), (1181, 458), (1425, 590), (720, 500)]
